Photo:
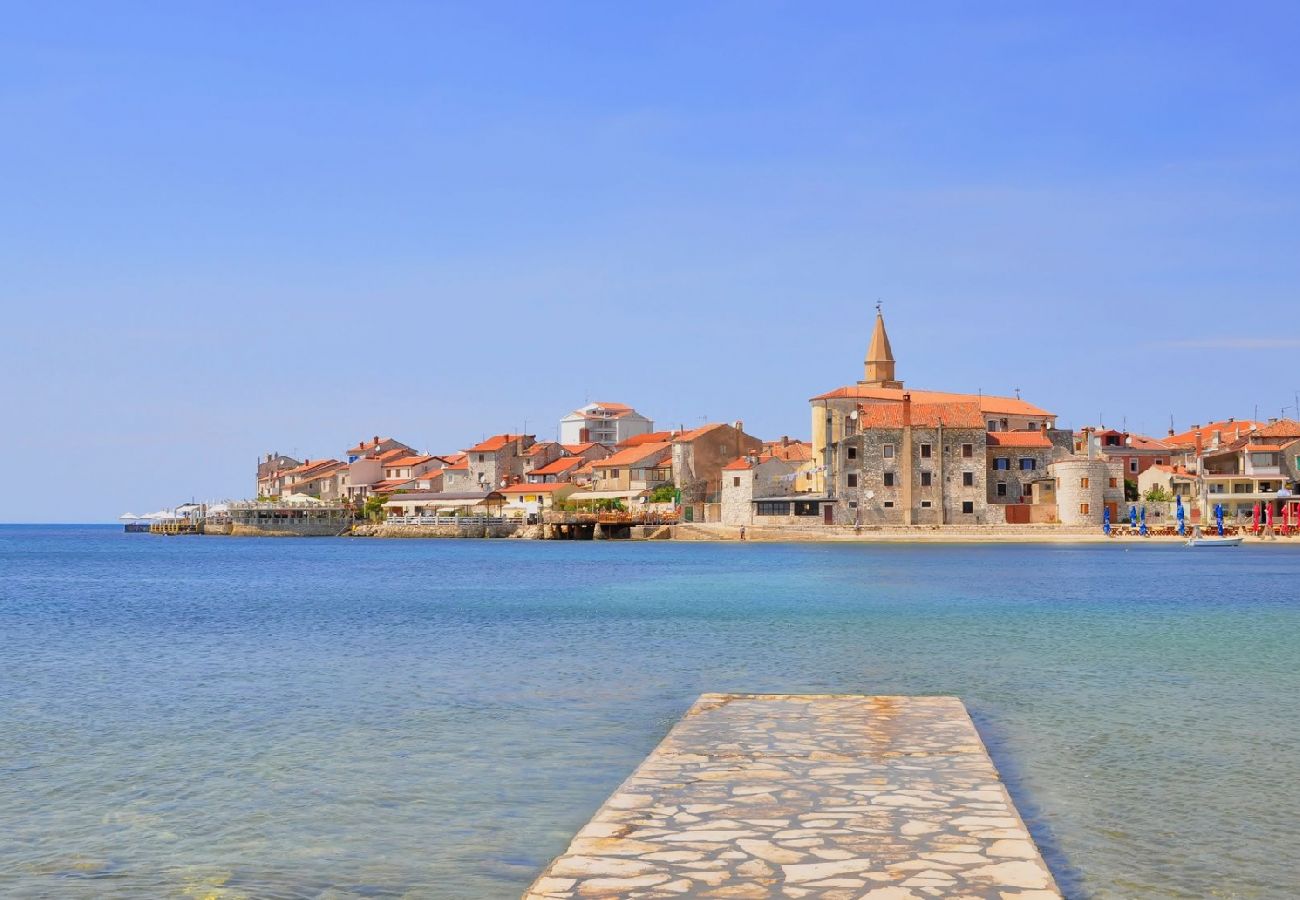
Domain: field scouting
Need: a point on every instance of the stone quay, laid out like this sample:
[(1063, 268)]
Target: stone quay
[(826, 796)]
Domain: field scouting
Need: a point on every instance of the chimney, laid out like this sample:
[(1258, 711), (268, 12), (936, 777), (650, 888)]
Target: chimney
[(1217, 440), (738, 425), (584, 435), (785, 440), (1200, 446), (907, 410), (376, 439), (1089, 447), (1042, 429), (1171, 432)]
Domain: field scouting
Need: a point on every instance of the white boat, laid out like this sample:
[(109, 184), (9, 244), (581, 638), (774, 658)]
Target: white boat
[(1214, 542)]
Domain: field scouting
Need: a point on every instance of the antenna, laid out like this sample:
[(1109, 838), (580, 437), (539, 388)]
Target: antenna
[(1017, 393)]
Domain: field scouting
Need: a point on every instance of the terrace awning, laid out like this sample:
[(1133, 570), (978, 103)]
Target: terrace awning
[(606, 495)]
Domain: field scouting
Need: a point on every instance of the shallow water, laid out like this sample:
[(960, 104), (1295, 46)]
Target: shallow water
[(335, 718)]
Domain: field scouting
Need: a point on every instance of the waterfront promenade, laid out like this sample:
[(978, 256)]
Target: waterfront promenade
[(827, 796)]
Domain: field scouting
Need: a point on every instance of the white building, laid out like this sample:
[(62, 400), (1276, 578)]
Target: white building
[(605, 423)]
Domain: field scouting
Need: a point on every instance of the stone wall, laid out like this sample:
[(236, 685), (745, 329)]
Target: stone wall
[(945, 465)]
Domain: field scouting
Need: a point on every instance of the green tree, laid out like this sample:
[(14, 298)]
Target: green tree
[(374, 508), (665, 493), (1131, 490), (1158, 493)]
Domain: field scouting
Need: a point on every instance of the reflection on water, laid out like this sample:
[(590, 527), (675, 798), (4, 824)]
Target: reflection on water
[(204, 717)]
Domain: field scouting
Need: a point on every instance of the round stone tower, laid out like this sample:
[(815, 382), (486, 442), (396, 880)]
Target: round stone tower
[(1080, 489)]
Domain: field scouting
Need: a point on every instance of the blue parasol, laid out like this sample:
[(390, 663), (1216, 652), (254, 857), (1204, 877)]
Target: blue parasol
[(1105, 522), (1178, 502), (1143, 530), (1218, 517), (1133, 516)]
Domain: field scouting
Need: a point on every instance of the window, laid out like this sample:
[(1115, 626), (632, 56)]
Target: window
[(993, 424), (889, 479), (1028, 464), (481, 457), (967, 451), (1083, 509), (805, 508), (1032, 427), (1002, 489), (853, 453), (1159, 461), (1114, 482), (853, 504), (967, 507), (1132, 465), (853, 480), (925, 504), (735, 481), (1083, 482), (967, 479), (889, 504), (613, 473), (773, 508), (887, 451), (925, 479), (925, 451), (1002, 463)]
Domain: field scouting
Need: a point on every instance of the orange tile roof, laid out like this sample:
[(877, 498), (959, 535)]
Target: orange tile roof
[(579, 449), (738, 465), (408, 460), (460, 465), (688, 436), (653, 437), (1025, 439), (367, 445), (986, 402), (559, 466), (1264, 448), (795, 451), (1231, 428), (925, 415), (388, 485), (494, 443), (630, 456), (541, 447), (538, 488), (1282, 428)]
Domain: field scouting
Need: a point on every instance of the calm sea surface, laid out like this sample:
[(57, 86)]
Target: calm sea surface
[(223, 717)]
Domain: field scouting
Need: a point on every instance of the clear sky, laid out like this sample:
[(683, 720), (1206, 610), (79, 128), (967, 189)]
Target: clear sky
[(231, 228)]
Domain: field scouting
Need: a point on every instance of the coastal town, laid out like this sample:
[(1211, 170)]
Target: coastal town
[(883, 457)]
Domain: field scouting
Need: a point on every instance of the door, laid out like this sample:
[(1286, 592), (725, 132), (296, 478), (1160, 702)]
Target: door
[(828, 513)]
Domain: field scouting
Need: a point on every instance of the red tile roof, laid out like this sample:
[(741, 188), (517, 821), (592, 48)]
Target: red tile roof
[(1232, 429), (414, 460), (1264, 448), (1025, 439), (364, 446), (630, 456), (795, 451), (986, 403), (559, 466), (494, 443), (653, 437), (926, 415), (1283, 428), (738, 465)]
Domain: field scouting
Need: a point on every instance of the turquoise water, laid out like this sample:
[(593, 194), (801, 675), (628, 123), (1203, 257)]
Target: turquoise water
[(359, 718)]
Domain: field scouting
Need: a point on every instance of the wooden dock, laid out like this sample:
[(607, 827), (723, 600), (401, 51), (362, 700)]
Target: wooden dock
[(825, 796)]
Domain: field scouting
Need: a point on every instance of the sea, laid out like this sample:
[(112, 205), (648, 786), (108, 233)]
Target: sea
[(217, 717)]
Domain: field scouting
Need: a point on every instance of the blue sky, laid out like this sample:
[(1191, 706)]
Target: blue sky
[(230, 228)]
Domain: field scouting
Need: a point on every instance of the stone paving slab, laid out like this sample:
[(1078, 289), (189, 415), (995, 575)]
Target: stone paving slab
[(819, 796)]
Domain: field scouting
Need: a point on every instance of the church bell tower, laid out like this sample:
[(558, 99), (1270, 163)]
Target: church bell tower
[(879, 369)]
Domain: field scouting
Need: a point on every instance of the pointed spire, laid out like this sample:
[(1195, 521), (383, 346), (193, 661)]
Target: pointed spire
[(880, 356)]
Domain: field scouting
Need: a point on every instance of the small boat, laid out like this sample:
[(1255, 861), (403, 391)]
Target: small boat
[(1214, 542)]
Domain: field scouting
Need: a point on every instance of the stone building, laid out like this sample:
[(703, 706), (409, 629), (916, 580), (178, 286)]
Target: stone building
[(835, 413), (913, 464), (757, 490), (699, 455), (498, 461), (1085, 487)]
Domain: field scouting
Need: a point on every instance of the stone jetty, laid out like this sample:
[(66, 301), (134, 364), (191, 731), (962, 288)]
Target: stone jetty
[(825, 796)]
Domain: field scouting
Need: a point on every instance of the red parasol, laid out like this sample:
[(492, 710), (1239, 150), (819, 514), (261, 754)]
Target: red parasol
[(1255, 523)]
